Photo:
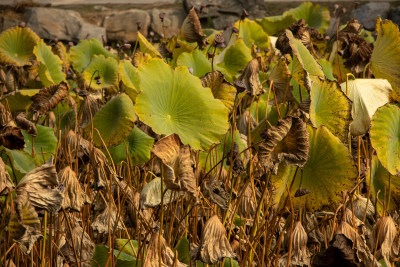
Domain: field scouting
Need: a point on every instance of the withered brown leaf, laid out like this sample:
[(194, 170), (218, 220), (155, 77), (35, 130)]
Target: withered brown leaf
[(6, 184), (251, 77), (300, 256), (74, 196), (191, 30), (11, 137), (214, 190), (26, 124)]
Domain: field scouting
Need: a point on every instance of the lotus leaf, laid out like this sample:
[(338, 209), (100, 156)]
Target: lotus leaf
[(280, 75), (328, 171), (304, 65), (129, 76), (235, 58), (101, 258), (385, 58), (252, 33), (276, 24), (16, 46), (385, 137), (106, 68), (195, 60), (378, 179), (139, 147), (367, 96), (191, 30), (220, 88), (21, 160), (147, 47), (50, 70), (114, 121), (21, 100), (316, 16), (45, 144), (61, 51), (81, 54), (174, 101), (150, 196), (330, 107), (326, 68), (183, 248)]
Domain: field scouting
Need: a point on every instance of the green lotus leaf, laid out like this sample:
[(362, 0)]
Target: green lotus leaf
[(327, 68), (45, 143), (21, 100), (130, 78), (252, 33), (101, 258), (367, 96), (385, 137), (328, 171), (378, 179), (139, 147), (195, 60), (182, 47), (220, 88), (330, 107), (385, 58), (183, 249), (174, 101), (147, 47), (16, 46), (106, 68), (315, 16), (130, 247), (276, 24), (303, 61), (21, 161), (114, 121), (81, 54), (50, 69), (235, 58)]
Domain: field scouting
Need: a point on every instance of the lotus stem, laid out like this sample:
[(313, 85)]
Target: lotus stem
[(44, 239), (365, 69)]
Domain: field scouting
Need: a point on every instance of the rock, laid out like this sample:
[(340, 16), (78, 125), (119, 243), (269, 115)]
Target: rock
[(395, 15), (368, 13), (172, 21), (67, 25), (6, 23), (123, 25)]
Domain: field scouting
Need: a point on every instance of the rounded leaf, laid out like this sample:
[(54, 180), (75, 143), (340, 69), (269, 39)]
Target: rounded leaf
[(50, 69), (129, 75), (114, 121), (330, 107), (195, 60), (45, 143), (81, 54), (276, 24), (106, 68), (174, 101), (385, 58), (252, 33), (385, 137), (328, 171), (16, 46), (315, 16), (147, 47)]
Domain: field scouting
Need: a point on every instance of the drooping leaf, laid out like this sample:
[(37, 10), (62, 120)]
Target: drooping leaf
[(177, 165), (303, 63), (11, 137), (191, 30), (220, 88), (280, 75), (60, 50), (252, 33), (378, 179), (250, 78), (174, 101), (316, 16), (45, 144), (288, 142), (74, 196), (50, 69), (195, 60), (328, 171), (129, 76), (326, 68), (107, 220), (385, 137), (21, 161), (367, 96), (6, 184), (139, 147), (385, 58), (276, 24), (183, 250), (106, 68), (82, 53), (330, 107), (150, 196), (114, 121), (16, 46), (147, 47)]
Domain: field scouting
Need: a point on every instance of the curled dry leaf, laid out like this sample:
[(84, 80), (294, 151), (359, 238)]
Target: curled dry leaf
[(287, 142), (214, 190), (47, 99), (5, 116), (214, 245), (150, 196), (191, 30), (167, 255), (6, 184), (243, 124), (280, 75), (238, 167), (11, 137), (300, 256), (26, 124), (388, 240), (90, 107), (105, 221), (251, 77), (24, 225), (41, 184), (177, 164), (359, 206), (74, 196)]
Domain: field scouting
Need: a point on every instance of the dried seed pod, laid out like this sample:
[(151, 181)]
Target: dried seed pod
[(26, 124), (300, 255), (214, 245)]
